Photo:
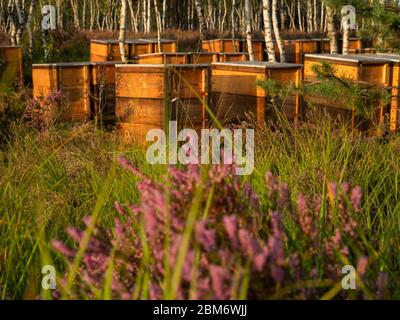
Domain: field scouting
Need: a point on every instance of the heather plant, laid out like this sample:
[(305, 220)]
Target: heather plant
[(205, 234), (11, 108), (42, 113)]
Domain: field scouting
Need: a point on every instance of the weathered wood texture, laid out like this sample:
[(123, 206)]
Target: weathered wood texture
[(103, 90), (362, 69), (236, 95), (72, 80), (233, 57), (149, 96), (108, 50), (163, 58), (11, 66), (222, 45), (165, 45), (202, 57), (395, 89)]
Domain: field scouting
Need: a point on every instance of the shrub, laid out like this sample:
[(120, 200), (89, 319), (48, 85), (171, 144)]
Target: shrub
[(205, 234)]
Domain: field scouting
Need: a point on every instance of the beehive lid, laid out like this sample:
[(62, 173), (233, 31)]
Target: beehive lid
[(350, 58), (157, 54), (203, 53), (391, 57), (257, 64), (156, 41), (114, 41), (106, 63), (181, 66), (10, 47), (63, 64)]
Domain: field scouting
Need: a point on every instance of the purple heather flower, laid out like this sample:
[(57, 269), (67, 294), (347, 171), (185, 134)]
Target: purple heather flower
[(356, 198), (231, 227), (205, 237)]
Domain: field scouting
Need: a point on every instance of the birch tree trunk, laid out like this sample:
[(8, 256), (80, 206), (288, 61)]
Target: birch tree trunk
[(122, 31), (159, 25), (200, 15), (249, 37), (277, 31), (234, 25), (29, 26), (268, 31), (331, 29), (13, 26)]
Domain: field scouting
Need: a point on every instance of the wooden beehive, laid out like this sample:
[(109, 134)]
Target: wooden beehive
[(11, 68), (103, 90), (107, 50), (202, 57), (222, 45), (303, 47), (235, 92), (166, 45), (258, 49), (395, 89), (163, 58), (355, 44), (233, 56), (72, 80), (149, 96), (362, 69)]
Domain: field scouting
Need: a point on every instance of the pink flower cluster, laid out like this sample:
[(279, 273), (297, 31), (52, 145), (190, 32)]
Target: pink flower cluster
[(231, 240)]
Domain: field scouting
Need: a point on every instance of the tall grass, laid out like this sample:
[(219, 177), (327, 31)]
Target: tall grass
[(52, 180)]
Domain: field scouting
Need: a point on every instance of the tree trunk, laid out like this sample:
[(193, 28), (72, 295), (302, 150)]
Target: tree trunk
[(234, 25), (122, 31), (268, 31), (330, 20), (249, 37), (200, 15), (159, 25), (277, 31), (29, 26)]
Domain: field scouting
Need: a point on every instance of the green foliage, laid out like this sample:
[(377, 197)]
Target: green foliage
[(12, 105), (51, 180), (364, 99)]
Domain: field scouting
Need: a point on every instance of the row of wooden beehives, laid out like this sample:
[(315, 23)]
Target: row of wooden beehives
[(217, 50), (11, 69), (143, 97), (295, 49)]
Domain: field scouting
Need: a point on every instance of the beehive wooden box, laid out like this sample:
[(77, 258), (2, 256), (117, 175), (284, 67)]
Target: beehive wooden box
[(11, 68), (202, 57), (355, 44), (103, 90), (363, 69), (107, 50), (163, 58), (222, 45), (166, 45), (303, 47), (233, 56), (258, 49), (149, 96), (395, 88), (360, 68), (72, 80), (235, 92)]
